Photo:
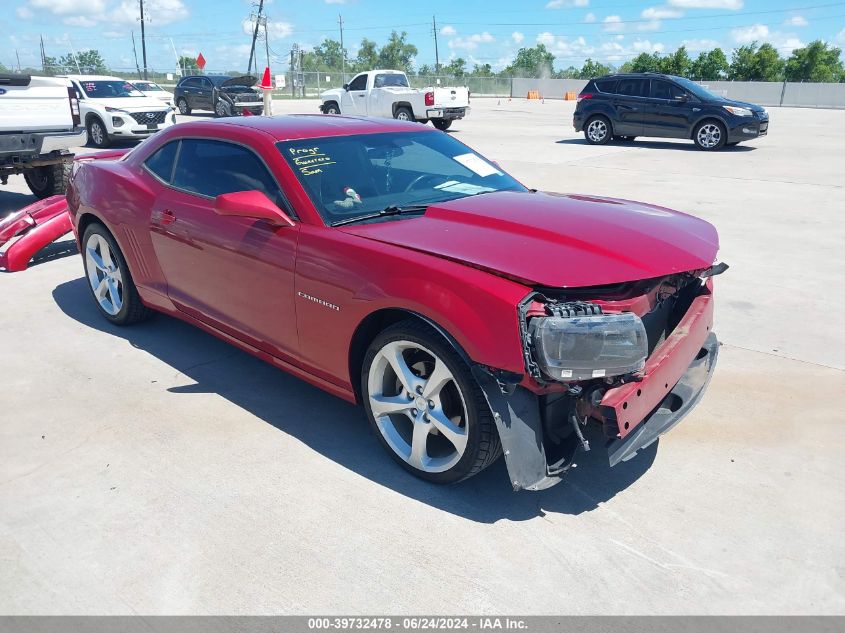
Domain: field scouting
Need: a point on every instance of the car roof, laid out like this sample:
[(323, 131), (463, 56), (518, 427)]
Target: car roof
[(636, 76), (95, 78), (303, 126)]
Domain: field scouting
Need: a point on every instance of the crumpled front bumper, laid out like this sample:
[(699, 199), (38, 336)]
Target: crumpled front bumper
[(25, 232)]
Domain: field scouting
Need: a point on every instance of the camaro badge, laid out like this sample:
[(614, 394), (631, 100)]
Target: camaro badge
[(322, 302)]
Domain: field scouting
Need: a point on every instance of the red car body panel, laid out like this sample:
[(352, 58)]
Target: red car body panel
[(25, 232), (550, 239)]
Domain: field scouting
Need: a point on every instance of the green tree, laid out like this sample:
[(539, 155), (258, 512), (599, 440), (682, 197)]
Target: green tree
[(367, 58), (815, 62), (326, 56), (645, 63), (456, 68), (188, 65), (753, 63), (88, 62), (425, 69), (710, 66), (397, 53), (531, 62), (678, 63), (483, 70), (592, 69)]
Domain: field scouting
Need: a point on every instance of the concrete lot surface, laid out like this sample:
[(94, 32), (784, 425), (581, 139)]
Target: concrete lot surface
[(157, 470)]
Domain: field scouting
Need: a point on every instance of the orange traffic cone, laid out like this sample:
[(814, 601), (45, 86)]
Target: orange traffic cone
[(265, 81)]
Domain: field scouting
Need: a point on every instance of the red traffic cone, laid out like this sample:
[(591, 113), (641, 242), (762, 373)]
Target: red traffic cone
[(266, 84), (246, 112)]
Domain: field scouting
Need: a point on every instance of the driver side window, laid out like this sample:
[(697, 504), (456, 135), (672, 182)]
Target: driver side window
[(359, 83)]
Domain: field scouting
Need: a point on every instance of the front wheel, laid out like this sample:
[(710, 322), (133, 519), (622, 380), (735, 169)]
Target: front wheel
[(442, 124), (109, 280), (48, 180), (331, 108), (183, 106), (710, 135), (425, 407), (403, 114), (97, 133), (597, 131), (221, 109)]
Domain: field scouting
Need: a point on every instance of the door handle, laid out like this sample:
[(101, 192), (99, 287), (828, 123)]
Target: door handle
[(362, 96)]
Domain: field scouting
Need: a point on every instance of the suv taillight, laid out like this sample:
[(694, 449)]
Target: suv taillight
[(74, 106), (429, 98), (584, 95)]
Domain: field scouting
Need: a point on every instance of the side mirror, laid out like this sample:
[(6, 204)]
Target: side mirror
[(346, 87), (251, 204), (682, 98)]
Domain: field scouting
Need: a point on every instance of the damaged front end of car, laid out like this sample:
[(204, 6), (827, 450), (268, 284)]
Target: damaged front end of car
[(634, 358)]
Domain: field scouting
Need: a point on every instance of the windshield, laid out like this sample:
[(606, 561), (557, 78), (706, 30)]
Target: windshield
[(357, 175), (109, 89), (383, 81), (699, 91), (148, 86)]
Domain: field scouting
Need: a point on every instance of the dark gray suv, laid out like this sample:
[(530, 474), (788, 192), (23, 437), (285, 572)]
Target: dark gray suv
[(625, 106), (221, 94)]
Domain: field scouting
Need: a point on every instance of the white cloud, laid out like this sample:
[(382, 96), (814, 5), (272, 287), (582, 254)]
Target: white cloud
[(24, 12), (732, 5), (69, 7), (748, 34), (517, 37), (563, 4), (841, 36), (165, 12), (645, 46), (651, 25), (335, 1), (448, 30), (81, 21), (277, 30), (660, 13), (796, 20), (698, 45), (116, 35), (471, 43), (565, 47), (613, 24), (590, 18)]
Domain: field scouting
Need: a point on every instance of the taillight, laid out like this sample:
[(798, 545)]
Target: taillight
[(74, 106), (429, 98), (469, 94), (584, 95)]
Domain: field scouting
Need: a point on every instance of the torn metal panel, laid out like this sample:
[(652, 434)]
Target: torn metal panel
[(25, 232)]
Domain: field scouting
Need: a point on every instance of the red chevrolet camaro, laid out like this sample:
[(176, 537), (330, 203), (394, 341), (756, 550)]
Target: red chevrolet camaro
[(391, 265)]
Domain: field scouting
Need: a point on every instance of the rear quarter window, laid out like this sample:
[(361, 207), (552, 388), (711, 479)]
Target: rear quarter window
[(606, 85), (633, 87), (161, 163)]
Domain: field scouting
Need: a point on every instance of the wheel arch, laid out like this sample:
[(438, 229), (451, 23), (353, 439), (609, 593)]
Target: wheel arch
[(375, 323), (403, 104), (703, 119), (603, 112)]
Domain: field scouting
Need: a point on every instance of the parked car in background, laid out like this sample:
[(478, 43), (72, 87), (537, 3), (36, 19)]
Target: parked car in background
[(221, 94), (387, 93), (113, 108), (39, 125), (152, 89), (625, 106), (392, 265)]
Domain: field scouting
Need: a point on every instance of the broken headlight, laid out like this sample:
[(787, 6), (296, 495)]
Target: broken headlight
[(585, 347)]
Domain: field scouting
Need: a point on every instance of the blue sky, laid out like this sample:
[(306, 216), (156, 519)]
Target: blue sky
[(486, 31)]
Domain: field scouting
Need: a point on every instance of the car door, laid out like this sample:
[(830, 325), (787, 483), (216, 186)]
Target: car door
[(669, 110), (190, 90), (233, 273), (629, 103), (355, 96), (204, 94)]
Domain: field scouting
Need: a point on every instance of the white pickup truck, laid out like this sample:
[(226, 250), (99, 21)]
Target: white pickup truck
[(39, 123), (387, 93)]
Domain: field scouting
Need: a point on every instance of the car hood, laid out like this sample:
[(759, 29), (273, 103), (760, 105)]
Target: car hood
[(555, 240)]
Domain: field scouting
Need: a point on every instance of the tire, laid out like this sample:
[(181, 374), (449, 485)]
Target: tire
[(183, 106), (109, 279), (416, 430), (49, 180), (404, 114), (97, 134), (598, 130), (442, 124), (710, 135), (221, 109), (331, 108)]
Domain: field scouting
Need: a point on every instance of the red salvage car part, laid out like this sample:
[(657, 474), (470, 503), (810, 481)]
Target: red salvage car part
[(27, 231)]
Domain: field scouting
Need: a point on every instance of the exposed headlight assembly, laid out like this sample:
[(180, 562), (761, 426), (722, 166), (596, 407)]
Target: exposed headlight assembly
[(586, 347), (738, 111)]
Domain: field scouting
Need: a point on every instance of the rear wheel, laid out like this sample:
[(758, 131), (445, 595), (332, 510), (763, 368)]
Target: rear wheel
[(49, 180), (109, 280), (598, 130), (403, 114), (425, 407), (97, 134), (442, 124), (183, 106), (710, 135)]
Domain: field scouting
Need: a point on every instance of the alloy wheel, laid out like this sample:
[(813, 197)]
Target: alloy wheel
[(403, 116), (97, 133), (709, 135), (418, 406), (103, 274), (597, 130)]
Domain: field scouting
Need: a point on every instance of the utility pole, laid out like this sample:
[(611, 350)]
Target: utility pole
[(43, 56), (436, 51), (143, 40), (255, 36), (19, 59), (135, 53), (266, 42), (342, 50)]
